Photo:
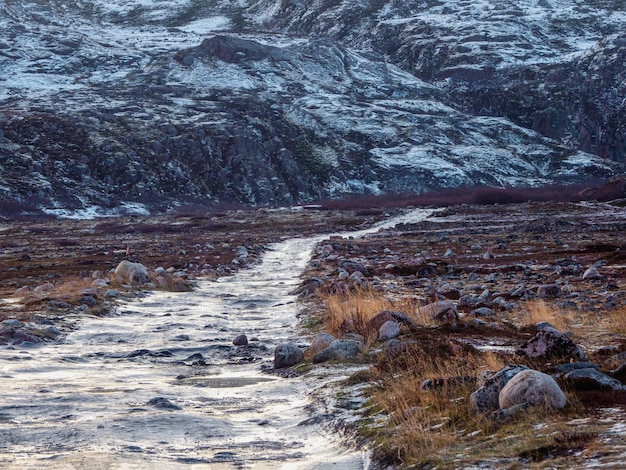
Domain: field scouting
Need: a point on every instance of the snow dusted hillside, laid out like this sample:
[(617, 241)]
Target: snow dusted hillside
[(279, 102)]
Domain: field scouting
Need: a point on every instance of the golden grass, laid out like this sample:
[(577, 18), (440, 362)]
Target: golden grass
[(616, 320), (437, 428), (537, 311), (356, 308)]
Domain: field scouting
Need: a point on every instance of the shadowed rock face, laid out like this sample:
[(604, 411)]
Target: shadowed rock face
[(116, 101)]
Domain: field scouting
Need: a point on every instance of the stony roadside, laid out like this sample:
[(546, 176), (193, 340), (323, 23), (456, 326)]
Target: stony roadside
[(480, 267), (53, 271)]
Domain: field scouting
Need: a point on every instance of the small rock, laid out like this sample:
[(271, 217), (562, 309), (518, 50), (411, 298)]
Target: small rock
[(44, 288), (111, 294), (483, 312), (592, 273), (549, 291), (443, 311), (287, 355), (321, 341), (241, 340), (389, 315), (532, 388), (163, 403)]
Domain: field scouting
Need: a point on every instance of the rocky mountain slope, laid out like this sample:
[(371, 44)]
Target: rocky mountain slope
[(276, 102)]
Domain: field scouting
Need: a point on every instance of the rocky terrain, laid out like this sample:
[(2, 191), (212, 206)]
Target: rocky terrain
[(53, 270), (473, 275), (536, 285), (103, 104)]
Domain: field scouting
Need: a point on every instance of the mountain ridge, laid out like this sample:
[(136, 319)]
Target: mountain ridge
[(105, 103)]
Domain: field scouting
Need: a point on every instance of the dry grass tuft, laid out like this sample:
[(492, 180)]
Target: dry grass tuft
[(537, 311), (616, 320), (353, 310), (437, 428)]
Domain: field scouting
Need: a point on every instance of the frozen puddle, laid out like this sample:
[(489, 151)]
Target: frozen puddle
[(161, 385)]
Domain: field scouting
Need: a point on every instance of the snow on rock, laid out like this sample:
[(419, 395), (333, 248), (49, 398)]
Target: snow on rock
[(278, 102)]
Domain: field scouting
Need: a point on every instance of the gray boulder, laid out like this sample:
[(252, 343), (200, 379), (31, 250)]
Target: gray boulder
[(486, 398), (592, 379), (389, 330), (132, 273), (551, 344), (549, 291), (287, 355), (339, 350), (532, 388)]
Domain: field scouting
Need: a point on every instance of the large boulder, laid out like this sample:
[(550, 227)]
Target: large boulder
[(287, 355), (132, 273), (486, 398), (531, 388), (551, 344)]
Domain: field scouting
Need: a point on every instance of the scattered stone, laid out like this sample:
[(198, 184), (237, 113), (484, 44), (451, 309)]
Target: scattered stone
[(388, 330), (241, 340), (486, 398), (532, 388), (443, 311), (44, 288), (339, 350), (163, 403), (111, 294), (25, 336), (321, 341), (389, 315), (287, 355), (551, 344), (592, 273), (483, 312), (507, 414), (132, 273), (549, 291), (570, 366), (592, 379), (59, 304)]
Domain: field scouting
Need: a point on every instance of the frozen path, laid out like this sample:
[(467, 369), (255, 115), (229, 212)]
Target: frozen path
[(160, 385)]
